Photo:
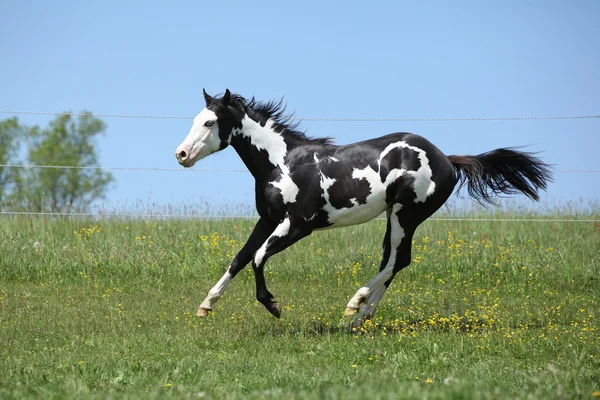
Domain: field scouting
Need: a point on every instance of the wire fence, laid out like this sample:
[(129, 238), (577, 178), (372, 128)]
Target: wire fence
[(174, 169), (180, 169), (217, 217), (316, 119)]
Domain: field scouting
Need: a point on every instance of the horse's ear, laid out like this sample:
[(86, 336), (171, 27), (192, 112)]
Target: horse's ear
[(226, 98), (207, 98)]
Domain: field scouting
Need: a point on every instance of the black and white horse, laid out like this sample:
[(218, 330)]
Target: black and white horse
[(304, 184)]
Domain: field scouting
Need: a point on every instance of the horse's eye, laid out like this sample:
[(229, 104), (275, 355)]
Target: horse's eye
[(209, 123)]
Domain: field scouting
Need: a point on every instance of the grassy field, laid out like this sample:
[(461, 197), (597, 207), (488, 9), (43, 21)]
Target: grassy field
[(486, 310)]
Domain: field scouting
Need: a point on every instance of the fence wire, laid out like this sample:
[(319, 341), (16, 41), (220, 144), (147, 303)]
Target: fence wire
[(179, 169), (316, 119), (215, 217)]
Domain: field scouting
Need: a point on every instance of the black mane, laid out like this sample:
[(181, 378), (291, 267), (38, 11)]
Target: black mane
[(285, 122)]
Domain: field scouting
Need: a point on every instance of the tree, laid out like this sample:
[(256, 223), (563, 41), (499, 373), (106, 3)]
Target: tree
[(11, 136), (67, 141)]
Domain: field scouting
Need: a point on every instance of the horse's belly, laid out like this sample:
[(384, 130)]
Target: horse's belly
[(358, 214)]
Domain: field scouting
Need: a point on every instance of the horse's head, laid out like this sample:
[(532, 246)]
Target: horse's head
[(212, 129)]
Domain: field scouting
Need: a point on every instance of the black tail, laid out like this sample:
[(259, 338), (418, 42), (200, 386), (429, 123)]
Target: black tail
[(502, 171)]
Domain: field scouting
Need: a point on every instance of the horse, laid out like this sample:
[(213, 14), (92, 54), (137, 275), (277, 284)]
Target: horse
[(303, 184)]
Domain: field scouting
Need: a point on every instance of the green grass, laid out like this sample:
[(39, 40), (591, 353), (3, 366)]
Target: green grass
[(486, 310)]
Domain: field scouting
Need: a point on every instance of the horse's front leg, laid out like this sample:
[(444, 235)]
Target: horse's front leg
[(284, 235), (262, 230)]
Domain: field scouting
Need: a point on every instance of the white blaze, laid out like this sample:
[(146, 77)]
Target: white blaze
[(202, 140)]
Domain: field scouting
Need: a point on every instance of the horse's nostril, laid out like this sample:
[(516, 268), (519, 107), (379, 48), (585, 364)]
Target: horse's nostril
[(182, 154)]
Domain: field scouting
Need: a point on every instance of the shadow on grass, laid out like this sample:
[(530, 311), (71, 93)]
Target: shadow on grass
[(462, 326)]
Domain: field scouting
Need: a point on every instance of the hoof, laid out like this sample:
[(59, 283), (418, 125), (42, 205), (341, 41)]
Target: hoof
[(274, 309), (350, 311), (202, 312), (347, 323), (352, 323)]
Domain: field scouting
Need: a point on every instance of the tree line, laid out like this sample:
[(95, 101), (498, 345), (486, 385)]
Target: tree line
[(66, 141)]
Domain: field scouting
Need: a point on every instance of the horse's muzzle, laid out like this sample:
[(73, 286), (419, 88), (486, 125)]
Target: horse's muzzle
[(184, 159)]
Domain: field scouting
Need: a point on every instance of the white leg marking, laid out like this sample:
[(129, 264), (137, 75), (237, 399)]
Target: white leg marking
[(282, 230), (369, 307), (371, 304), (217, 291), (358, 298), (396, 236)]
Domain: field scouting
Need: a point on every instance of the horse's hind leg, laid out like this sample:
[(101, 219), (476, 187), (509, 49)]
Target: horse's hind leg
[(396, 255), (369, 307), (403, 258)]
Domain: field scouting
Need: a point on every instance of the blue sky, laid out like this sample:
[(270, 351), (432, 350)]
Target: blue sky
[(329, 59)]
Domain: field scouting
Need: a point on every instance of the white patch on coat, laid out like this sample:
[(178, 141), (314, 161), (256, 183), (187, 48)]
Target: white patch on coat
[(280, 231), (265, 138), (217, 291), (202, 140), (311, 218), (325, 184), (327, 159), (423, 186)]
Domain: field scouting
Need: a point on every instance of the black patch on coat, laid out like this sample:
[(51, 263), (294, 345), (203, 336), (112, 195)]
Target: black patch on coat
[(228, 118), (399, 158), (401, 191)]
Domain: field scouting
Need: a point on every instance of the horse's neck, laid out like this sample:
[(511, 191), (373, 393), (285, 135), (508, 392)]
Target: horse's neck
[(260, 147)]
